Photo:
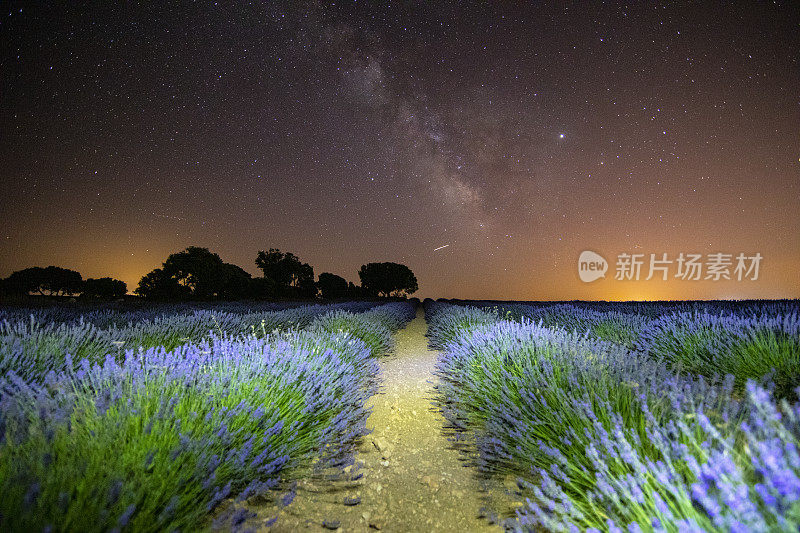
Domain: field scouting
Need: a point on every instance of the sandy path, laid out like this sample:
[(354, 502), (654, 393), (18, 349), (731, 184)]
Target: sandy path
[(413, 480)]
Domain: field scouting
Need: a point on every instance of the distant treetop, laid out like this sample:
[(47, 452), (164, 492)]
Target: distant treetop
[(387, 279)]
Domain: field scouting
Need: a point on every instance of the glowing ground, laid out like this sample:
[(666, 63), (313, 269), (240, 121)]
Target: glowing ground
[(414, 480)]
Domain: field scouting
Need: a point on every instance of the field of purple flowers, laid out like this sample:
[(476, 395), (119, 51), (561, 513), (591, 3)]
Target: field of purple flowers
[(147, 421), (629, 417)]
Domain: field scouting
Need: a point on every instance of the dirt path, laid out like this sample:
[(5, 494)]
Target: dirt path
[(413, 480)]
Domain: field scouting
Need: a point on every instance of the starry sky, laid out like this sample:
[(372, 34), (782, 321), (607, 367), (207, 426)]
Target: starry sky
[(485, 145)]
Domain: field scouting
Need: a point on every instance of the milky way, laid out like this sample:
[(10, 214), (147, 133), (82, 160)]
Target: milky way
[(356, 132)]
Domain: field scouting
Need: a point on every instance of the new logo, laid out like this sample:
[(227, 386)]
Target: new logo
[(591, 266)]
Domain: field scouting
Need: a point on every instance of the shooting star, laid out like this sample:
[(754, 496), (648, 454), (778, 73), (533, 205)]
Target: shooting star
[(439, 248)]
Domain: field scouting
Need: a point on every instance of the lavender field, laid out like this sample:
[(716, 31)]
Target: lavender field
[(608, 417)]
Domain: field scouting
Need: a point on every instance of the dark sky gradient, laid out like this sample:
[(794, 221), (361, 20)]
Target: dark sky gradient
[(348, 133)]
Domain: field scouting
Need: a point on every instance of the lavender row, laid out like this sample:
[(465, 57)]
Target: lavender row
[(761, 347), (604, 438), (654, 309), (760, 341), (121, 315), (33, 348), (157, 439), (373, 327)]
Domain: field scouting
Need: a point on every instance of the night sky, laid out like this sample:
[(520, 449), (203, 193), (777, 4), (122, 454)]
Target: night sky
[(513, 136)]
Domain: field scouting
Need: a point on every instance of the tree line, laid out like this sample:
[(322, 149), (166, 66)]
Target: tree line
[(198, 274), (57, 281)]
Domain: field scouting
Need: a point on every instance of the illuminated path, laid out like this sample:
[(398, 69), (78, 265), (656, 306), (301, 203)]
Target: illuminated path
[(413, 479)]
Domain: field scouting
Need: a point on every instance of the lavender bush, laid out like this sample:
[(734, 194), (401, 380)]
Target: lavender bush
[(705, 478), (747, 347), (445, 322), (534, 385), (171, 331), (392, 316), (157, 440), (610, 325), (374, 327), (616, 325), (32, 349)]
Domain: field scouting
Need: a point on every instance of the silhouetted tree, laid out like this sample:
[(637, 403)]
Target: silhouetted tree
[(197, 273), (291, 276), (332, 286), (306, 287), (387, 279), (26, 281), (62, 281), (303, 285), (237, 283), (262, 289), (53, 281), (158, 285), (104, 288), (21, 282), (353, 290), (199, 269)]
